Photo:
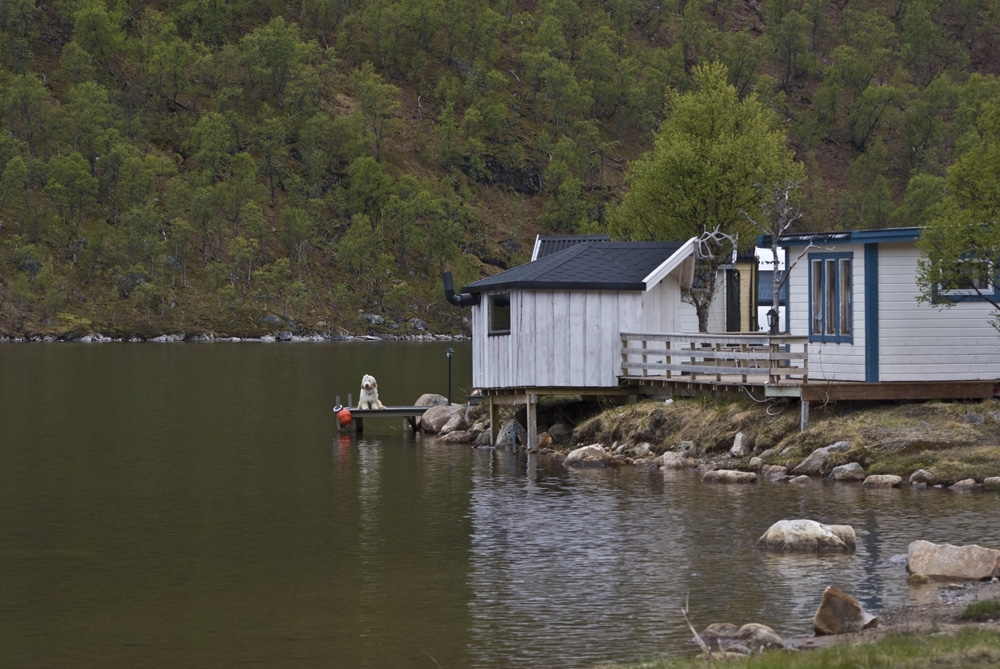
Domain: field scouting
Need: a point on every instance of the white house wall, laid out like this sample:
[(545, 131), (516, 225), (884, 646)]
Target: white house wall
[(557, 339), (925, 342), (716, 313), (831, 361), (916, 341)]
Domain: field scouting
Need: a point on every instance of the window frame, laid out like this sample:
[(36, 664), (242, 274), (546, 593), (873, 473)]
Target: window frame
[(831, 297), (495, 308), (989, 293)]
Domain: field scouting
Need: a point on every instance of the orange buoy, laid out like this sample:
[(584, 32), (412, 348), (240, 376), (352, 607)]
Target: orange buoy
[(344, 416)]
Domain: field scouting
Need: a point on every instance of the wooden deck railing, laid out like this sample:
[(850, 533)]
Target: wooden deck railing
[(740, 358)]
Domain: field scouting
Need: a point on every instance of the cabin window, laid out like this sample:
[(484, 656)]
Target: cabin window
[(499, 315), (830, 297), (973, 277)]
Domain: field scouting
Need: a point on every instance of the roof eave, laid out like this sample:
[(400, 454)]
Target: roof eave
[(677, 261)]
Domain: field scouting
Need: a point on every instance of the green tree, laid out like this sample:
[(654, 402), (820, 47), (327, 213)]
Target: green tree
[(70, 186), (959, 247), (380, 104), (712, 153)]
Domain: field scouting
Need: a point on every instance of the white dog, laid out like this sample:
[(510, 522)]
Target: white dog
[(369, 393)]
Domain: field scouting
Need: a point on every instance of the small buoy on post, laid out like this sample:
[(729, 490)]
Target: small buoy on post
[(344, 417)]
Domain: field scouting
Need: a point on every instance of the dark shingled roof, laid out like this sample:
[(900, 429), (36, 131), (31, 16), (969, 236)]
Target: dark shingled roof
[(546, 245), (587, 266)]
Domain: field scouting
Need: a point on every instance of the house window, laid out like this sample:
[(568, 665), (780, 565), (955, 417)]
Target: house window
[(499, 314), (972, 278), (830, 301)]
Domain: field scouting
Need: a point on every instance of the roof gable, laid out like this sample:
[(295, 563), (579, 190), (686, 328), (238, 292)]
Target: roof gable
[(593, 265)]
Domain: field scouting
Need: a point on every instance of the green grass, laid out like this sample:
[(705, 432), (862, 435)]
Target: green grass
[(971, 648), (982, 611)]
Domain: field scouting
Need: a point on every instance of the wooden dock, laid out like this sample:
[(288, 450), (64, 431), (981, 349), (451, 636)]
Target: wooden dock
[(408, 414)]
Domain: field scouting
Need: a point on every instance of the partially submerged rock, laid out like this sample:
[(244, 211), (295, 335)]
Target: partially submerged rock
[(729, 476), (945, 561), (808, 536), (852, 471), (922, 476), (675, 460), (728, 637), (883, 481), (593, 455), (839, 613)]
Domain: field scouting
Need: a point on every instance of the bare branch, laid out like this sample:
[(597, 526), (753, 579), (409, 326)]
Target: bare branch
[(697, 637)]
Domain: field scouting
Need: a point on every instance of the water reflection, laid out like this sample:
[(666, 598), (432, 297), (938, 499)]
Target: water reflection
[(178, 506)]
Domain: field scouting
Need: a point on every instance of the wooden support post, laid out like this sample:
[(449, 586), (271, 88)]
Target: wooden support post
[(645, 358), (531, 417), (494, 422), (803, 415)]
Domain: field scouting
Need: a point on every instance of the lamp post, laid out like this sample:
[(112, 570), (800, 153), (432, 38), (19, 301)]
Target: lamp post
[(772, 321), (450, 352)]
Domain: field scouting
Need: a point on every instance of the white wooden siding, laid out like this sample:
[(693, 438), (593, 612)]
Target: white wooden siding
[(557, 338), (917, 342), (843, 361), (924, 342)]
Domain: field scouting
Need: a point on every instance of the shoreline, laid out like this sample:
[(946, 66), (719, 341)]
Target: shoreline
[(281, 337)]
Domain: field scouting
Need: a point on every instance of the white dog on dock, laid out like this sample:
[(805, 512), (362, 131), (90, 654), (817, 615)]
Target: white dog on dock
[(369, 393)]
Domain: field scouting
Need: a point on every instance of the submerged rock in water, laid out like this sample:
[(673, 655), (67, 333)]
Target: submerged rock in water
[(839, 613), (808, 536), (729, 476)]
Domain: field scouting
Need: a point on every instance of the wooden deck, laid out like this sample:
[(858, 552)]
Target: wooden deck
[(774, 366)]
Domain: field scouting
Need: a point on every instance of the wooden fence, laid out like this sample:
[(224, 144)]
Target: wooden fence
[(737, 358)]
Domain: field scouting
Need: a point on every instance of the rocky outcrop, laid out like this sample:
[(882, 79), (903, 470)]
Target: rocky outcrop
[(945, 561), (593, 455), (729, 476), (852, 471), (883, 481), (839, 613), (808, 536)]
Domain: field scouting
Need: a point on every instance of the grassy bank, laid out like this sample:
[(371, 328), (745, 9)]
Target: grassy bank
[(971, 647), (953, 440)]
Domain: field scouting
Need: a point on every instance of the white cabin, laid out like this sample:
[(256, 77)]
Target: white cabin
[(556, 322), (854, 294)]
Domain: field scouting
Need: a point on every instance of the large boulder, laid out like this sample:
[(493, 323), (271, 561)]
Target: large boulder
[(435, 418), (944, 561), (729, 476), (593, 455), (922, 476), (808, 536), (814, 463), (839, 613)]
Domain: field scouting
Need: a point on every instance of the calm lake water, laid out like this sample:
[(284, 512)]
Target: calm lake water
[(192, 505)]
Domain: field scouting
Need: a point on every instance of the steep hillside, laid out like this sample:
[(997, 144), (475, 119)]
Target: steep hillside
[(201, 165)]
